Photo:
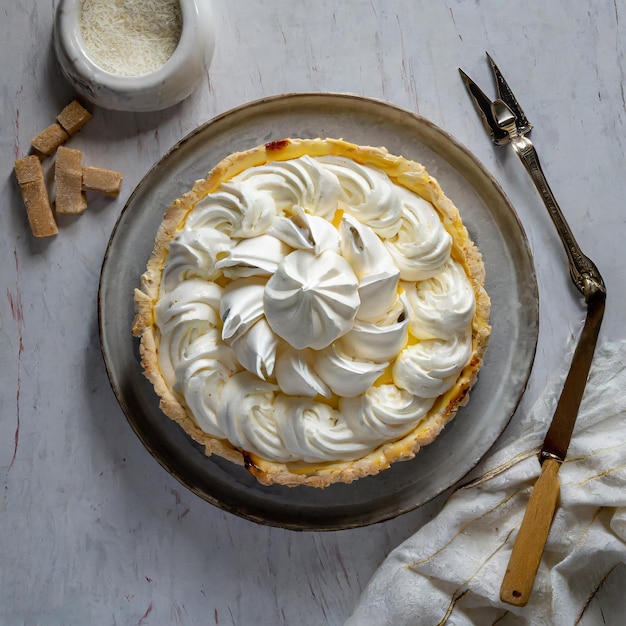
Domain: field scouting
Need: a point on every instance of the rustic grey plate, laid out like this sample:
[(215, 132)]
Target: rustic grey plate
[(511, 283)]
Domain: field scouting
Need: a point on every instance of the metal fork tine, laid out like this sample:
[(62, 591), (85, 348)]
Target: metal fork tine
[(483, 105), (506, 95)]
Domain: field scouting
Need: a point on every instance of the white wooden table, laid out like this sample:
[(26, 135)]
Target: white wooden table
[(92, 529)]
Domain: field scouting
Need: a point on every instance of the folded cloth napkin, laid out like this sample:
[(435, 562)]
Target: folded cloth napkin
[(450, 571)]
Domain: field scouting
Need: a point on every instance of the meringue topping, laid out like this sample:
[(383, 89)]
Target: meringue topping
[(421, 246), (311, 300), (257, 256), (310, 310), (372, 263)]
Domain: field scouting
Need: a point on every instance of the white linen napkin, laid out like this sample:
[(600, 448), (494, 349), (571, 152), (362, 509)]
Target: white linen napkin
[(450, 571)]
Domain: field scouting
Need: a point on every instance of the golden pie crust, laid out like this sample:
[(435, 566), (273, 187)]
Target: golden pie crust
[(411, 175)]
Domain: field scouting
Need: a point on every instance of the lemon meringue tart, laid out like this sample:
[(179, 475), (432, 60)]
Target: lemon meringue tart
[(313, 310)]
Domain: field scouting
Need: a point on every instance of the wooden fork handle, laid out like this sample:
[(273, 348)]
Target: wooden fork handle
[(531, 539)]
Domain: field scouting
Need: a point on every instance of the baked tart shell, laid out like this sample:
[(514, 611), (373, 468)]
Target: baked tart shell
[(401, 171)]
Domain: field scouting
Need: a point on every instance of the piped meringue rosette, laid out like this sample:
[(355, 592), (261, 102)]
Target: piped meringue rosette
[(314, 310)]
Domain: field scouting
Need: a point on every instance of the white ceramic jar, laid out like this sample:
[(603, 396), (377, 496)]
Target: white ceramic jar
[(169, 84)]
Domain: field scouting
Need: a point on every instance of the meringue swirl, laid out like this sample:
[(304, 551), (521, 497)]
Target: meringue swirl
[(311, 300), (421, 246), (310, 310)]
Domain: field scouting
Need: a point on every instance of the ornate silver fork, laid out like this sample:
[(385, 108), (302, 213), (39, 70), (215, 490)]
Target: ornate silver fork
[(506, 123)]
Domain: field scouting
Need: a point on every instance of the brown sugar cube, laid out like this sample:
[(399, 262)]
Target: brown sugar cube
[(73, 117), (48, 140), (103, 181), (68, 175), (29, 176)]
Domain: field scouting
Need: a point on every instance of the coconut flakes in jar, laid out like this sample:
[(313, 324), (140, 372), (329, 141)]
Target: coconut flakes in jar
[(130, 37)]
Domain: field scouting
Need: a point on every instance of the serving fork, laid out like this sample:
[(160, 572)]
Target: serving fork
[(506, 123)]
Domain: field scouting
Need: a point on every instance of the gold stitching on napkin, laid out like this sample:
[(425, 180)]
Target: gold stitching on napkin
[(600, 475), (461, 531), (456, 596), (594, 593), (518, 458), (599, 451), (590, 524), (506, 612), (453, 601)]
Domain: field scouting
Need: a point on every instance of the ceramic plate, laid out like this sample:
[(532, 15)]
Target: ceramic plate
[(511, 283)]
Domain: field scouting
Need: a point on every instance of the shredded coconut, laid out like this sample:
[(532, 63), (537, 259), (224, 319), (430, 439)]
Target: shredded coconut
[(131, 37)]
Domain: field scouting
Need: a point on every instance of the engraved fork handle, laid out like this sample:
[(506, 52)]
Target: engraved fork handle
[(582, 269)]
